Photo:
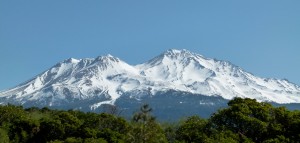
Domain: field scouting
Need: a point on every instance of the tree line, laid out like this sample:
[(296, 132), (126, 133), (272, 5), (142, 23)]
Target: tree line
[(244, 120)]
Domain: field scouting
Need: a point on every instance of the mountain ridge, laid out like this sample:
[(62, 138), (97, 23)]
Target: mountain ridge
[(105, 79)]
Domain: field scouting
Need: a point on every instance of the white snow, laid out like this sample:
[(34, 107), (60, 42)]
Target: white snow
[(179, 70)]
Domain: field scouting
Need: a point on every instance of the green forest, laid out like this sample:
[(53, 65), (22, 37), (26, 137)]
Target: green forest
[(244, 120)]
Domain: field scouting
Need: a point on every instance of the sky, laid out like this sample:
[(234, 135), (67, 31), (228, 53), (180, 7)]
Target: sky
[(262, 37)]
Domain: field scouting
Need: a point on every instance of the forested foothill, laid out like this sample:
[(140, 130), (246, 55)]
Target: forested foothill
[(244, 120)]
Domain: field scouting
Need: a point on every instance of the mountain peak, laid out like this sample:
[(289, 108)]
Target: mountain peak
[(107, 78), (175, 53), (71, 60), (108, 58)]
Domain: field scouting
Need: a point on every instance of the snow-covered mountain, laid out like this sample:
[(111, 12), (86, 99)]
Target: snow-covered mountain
[(106, 79)]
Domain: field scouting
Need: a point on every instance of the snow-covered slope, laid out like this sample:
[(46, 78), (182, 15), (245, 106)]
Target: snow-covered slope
[(103, 80), (190, 72)]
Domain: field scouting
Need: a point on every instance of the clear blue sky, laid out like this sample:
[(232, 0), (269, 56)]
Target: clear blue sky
[(261, 36)]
